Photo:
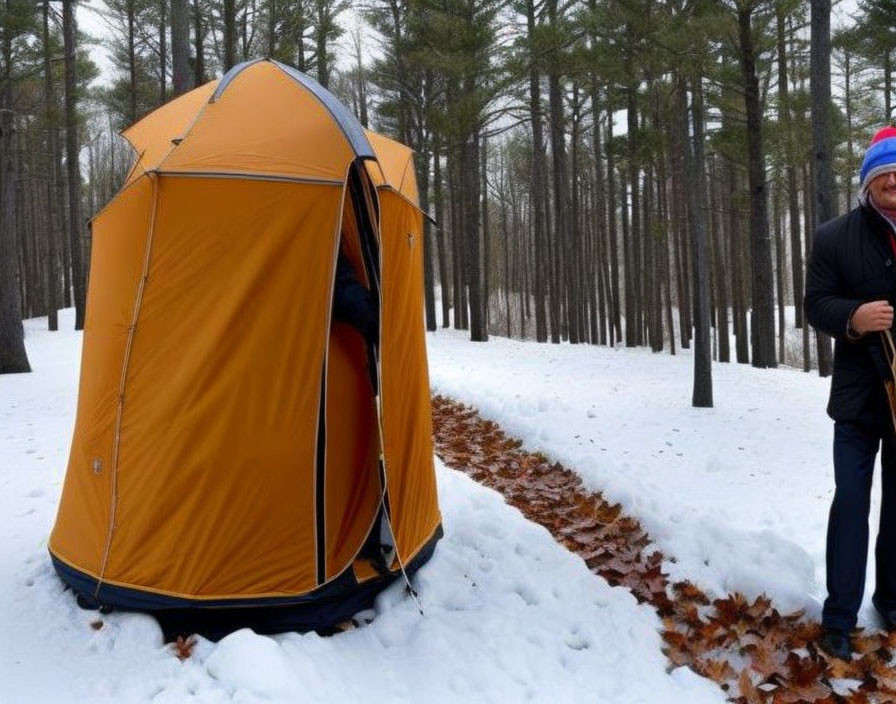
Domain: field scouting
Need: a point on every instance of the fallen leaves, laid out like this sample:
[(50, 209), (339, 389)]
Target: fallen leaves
[(183, 647), (756, 654)]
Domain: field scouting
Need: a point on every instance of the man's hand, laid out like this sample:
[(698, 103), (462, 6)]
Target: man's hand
[(872, 317)]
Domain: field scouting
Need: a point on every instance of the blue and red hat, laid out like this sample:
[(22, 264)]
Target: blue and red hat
[(880, 157)]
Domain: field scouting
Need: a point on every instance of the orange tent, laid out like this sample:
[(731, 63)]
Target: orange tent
[(230, 449)]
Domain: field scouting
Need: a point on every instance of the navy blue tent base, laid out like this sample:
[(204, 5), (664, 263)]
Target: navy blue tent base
[(321, 610)]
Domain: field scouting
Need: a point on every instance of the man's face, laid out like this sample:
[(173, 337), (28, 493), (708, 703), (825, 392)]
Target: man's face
[(883, 190)]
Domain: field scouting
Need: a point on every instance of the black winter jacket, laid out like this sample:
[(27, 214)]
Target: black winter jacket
[(852, 263), (352, 303)]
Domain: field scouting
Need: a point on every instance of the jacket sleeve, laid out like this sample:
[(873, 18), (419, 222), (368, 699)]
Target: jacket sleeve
[(828, 307), (352, 303)]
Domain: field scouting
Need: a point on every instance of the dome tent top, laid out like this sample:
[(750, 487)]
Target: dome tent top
[(348, 123)]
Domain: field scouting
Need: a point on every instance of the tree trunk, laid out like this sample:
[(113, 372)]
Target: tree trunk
[(505, 246), (702, 391), (429, 294), (807, 226), (198, 46), (796, 245), (738, 271), (679, 225), (486, 234), (718, 235), (888, 86), (847, 104), (180, 47), (320, 35), (779, 270), (444, 277), (663, 198), (612, 234), (560, 296), (472, 234), (762, 324), (13, 357), (361, 79), (632, 270), (538, 181), (229, 34), (52, 178), (820, 69), (132, 61), (598, 228), (163, 51), (72, 162)]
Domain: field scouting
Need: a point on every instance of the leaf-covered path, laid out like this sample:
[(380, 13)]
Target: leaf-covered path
[(755, 653)]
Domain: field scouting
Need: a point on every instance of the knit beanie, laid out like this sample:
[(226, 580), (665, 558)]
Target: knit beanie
[(880, 157)]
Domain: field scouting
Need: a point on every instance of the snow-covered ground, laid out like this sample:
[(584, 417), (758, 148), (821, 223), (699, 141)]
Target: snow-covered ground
[(509, 615), (736, 495)]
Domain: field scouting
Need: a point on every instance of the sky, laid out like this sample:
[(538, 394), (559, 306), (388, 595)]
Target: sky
[(92, 19)]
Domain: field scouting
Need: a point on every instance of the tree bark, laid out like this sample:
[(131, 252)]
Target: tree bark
[(718, 234), (322, 29), (888, 86), (180, 47), (13, 357), (52, 178), (779, 271), (847, 104), (538, 180), (229, 34), (793, 207), (132, 60), (612, 234), (702, 389), (820, 70), (198, 46), (72, 162), (444, 276), (163, 52), (486, 232), (762, 324), (472, 234), (632, 271)]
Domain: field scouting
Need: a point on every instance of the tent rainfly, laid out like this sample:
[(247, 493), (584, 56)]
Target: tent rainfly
[(234, 446)]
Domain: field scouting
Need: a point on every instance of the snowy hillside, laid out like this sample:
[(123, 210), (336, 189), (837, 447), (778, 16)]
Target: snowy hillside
[(510, 616)]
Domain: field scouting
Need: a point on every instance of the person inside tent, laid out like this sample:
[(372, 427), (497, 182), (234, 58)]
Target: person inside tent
[(352, 303)]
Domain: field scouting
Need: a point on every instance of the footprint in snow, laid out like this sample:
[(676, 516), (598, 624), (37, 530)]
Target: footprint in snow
[(576, 641)]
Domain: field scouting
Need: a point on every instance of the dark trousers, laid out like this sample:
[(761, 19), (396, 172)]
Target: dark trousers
[(855, 448)]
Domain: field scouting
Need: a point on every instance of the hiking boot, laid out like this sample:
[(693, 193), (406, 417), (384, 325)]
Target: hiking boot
[(836, 643)]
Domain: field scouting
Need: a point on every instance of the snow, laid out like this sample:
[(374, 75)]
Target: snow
[(510, 616), (736, 495)]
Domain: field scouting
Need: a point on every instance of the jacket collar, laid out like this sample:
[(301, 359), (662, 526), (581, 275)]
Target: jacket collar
[(880, 223)]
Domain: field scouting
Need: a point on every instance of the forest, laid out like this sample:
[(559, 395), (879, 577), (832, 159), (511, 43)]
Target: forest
[(609, 172)]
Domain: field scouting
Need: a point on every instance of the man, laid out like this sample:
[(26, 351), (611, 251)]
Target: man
[(850, 291)]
